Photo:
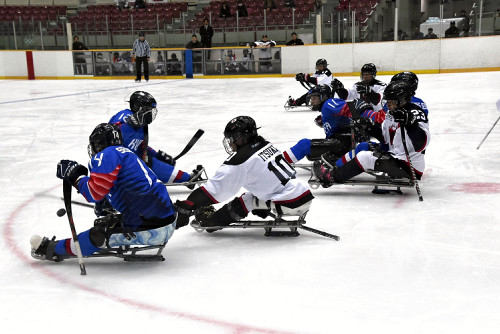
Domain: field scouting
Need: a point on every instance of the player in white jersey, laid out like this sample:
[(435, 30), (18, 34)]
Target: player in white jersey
[(402, 116), (368, 89), (259, 167), (322, 76)]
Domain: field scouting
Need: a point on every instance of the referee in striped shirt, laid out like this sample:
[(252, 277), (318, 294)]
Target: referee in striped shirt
[(142, 53)]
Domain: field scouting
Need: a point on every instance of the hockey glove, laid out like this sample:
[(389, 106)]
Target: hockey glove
[(300, 77), (103, 208), (362, 123), (361, 105), (319, 121), (262, 213), (336, 85), (164, 157), (402, 116), (70, 171), (362, 89)]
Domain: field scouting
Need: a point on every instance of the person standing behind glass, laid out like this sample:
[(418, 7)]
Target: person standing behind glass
[(430, 34), (142, 53), (79, 56), (242, 9), (294, 40), (206, 33)]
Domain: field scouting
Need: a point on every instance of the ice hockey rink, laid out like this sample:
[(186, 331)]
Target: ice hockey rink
[(401, 266)]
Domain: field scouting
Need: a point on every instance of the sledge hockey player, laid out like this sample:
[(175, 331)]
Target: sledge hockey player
[(322, 76), (260, 168), (117, 174), (335, 119), (404, 121), (412, 80), (133, 124), (368, 89)]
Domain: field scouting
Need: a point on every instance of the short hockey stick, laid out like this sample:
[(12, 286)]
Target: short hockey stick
[(67, 203), (191, 143), (412, 170), (354, 116), (482, 141), (306, 85)]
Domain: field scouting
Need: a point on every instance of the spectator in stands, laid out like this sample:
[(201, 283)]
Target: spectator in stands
[(417, 34), (290, 3), (197, 56), (242, 9), (269, 4), (138, 4), (466, 23), (402, 36), (388, 35), (79, 56), (265, 53), (121, 4), (430, 34), (294, 40), (206, 33), (225, 11), (174, 66), (452, 31), (142, 53)]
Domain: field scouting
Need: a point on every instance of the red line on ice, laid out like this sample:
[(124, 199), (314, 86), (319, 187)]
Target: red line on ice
[(12, 243)]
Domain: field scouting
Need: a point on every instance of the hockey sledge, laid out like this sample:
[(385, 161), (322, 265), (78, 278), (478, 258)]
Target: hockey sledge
[(132, 254), (382, 183), (270, 227)]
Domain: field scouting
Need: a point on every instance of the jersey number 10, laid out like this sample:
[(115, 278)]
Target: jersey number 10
[(282, 169)]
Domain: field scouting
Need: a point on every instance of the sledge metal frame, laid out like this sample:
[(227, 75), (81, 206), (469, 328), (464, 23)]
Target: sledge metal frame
[(268, 225), (129, 253), (375, 179)]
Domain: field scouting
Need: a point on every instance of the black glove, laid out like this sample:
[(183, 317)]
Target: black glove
[(103, 208), (402, 116), (300, 77), (70, 171), (361, 105), (362, 124), (164, 157), (336, 85), (362, 88), (319, 121)]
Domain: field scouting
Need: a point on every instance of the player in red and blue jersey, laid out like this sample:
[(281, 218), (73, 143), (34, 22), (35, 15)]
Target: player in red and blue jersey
[(117, 174)]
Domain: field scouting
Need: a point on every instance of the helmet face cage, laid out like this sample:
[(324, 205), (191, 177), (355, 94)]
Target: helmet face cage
[(241, 127), (104, 135), (398, 91), (369, 68), (323, 92), (321, 62), (410, 78)]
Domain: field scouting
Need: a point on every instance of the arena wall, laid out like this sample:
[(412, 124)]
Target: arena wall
[(425, 56)]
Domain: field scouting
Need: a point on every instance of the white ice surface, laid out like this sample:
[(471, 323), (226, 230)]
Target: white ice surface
[(401, 266)]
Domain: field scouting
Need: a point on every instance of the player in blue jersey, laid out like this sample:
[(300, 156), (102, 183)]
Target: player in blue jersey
[(117, 174), (133, 123), (412, 80), (335, 119)]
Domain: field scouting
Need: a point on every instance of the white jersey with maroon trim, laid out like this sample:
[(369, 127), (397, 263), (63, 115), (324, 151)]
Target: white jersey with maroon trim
[(377, 87), (259, 168), (392, 137)]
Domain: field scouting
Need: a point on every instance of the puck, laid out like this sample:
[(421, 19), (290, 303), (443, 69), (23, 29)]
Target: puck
[(61, 212)]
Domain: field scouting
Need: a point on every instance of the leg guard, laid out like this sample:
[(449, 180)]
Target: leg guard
[(347, 171), (229, 213), (320, 146), (393, 167), (301, 100)]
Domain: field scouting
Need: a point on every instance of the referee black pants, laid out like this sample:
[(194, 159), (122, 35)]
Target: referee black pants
[(138, 62)]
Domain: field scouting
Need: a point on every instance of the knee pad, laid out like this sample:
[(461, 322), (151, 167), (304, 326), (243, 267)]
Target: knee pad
[(392, 167)]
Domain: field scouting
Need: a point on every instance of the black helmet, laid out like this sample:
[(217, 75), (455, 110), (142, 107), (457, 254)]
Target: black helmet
[(104, 135), (369, 68), (141, 34), (323, 91), (321, 62), (409, 77), (143, 105), (398, 91), (241, 127)]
